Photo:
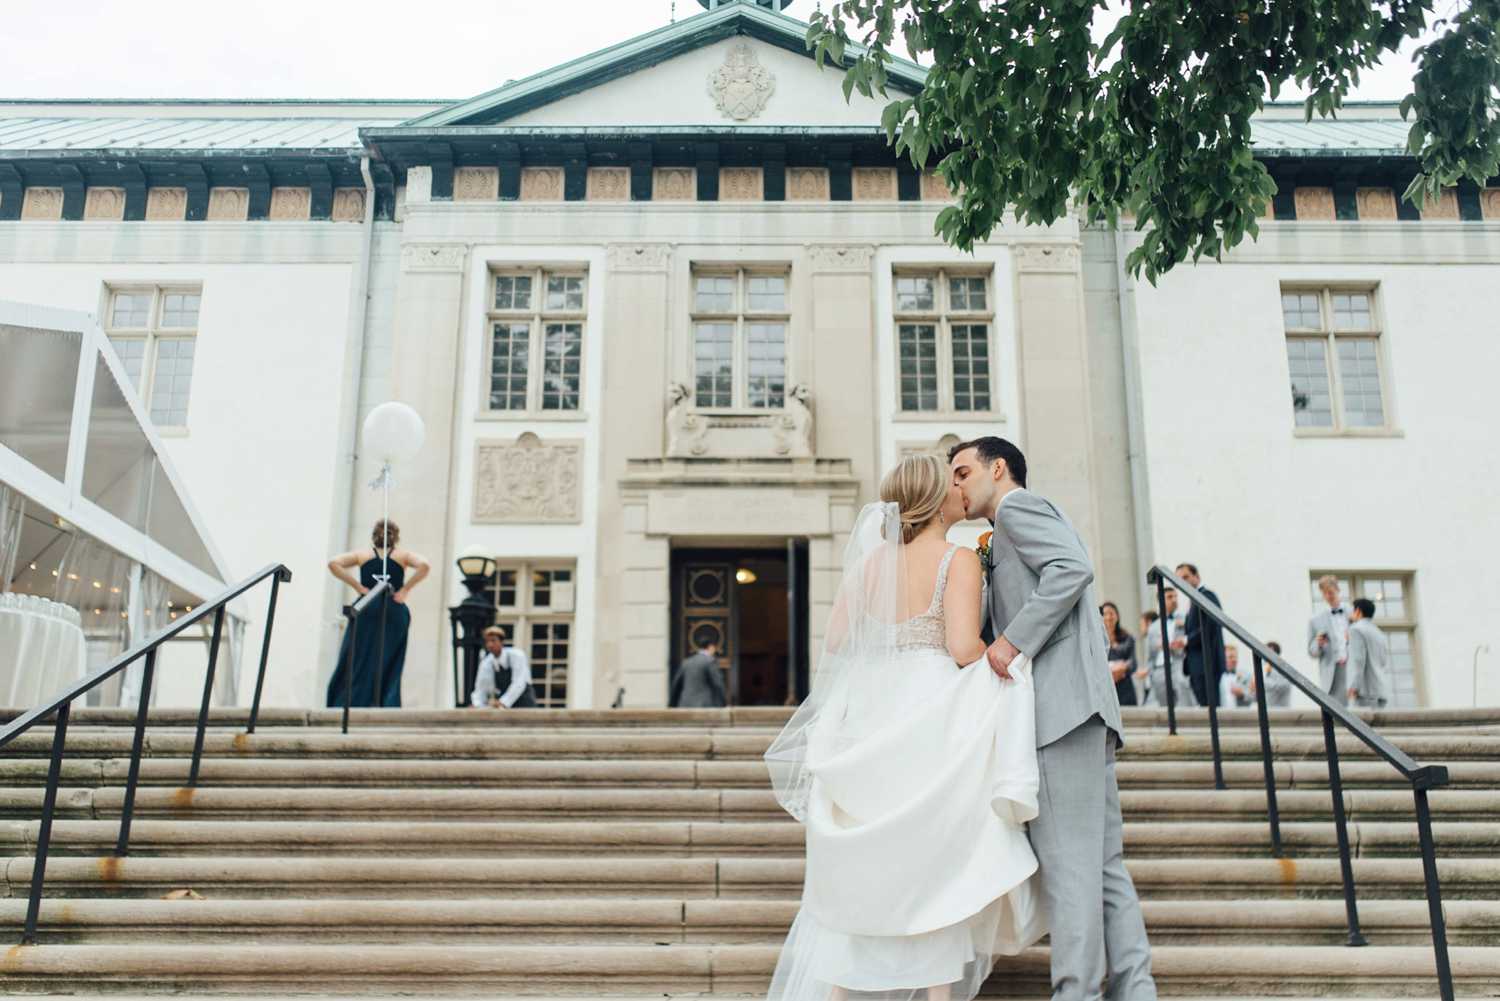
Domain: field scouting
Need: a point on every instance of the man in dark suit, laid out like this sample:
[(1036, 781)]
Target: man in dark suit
[(1198, 628)]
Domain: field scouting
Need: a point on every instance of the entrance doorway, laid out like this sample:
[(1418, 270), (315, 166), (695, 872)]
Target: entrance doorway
[(751, 603)]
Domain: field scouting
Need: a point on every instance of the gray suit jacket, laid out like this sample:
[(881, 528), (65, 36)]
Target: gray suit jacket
[(699, 684), (1370, 661), (1042, 600), (1328, 658)]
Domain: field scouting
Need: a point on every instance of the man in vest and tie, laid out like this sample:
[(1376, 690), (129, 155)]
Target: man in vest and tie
[(1328, 640), (504, 677)]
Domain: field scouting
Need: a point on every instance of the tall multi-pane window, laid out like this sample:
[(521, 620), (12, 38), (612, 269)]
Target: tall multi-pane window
[(1395, 615), (1333, 356), (534, 605), (740, 321), (154, 330), (536, 325), (943, 343)]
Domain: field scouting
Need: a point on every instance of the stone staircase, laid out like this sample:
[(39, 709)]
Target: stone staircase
[(638, 853)]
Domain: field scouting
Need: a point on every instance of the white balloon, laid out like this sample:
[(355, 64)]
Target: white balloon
[(394, 432)]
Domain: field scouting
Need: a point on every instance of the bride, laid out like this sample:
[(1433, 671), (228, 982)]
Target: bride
[(913, 768)]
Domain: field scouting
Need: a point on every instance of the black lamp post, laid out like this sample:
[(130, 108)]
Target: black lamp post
[(470, 618)]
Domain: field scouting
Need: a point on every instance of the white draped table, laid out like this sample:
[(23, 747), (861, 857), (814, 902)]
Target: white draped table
[(42, 648)]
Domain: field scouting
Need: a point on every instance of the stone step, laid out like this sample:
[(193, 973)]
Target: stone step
[(1391, 971), (499, 743), (664, 920), (747, 774), (698, 877), (753, 716), (601, 804), (676, 837)]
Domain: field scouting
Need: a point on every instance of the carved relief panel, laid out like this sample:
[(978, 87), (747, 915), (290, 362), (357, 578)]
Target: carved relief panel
[(229, 204), (166, 204), (528, 481)]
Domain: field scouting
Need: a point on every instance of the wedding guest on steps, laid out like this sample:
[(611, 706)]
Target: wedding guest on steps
[(699, 683), (379, 634), (503, 680), (1121, 654), (1278, 689), (1204, 667), (1328, 640), (1369, 658), (1160, 674)]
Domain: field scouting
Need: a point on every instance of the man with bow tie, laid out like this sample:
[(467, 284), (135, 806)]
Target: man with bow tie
[(1328, 640)]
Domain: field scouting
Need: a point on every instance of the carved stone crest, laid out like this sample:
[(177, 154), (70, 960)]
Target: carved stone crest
[(166, 204), (742, 86), (104, 203), (42, 203), (527, 481)]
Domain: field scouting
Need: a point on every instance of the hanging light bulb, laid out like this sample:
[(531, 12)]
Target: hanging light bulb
[(97, 584)]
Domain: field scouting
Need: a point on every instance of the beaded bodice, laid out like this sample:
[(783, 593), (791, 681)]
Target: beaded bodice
[(927, 631)]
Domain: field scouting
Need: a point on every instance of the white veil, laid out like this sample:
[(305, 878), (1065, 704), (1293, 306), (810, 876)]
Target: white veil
[(862, 629)]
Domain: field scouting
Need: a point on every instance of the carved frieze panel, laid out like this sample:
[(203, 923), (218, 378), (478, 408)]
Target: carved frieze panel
[(807, 184), (776, 434), (639, 256), (291, 204), (674, 184), (476, 184), (528, 481), (541, 184), (228, 204), (433, 256), (1046, 257), (608, 184), (874, 184), (840, 257), (104, 203), (348, 204), (741, 184), (934, 188), (1444, 207), (166, 204), (1489, 203), (1375, 203), (1314, 204)]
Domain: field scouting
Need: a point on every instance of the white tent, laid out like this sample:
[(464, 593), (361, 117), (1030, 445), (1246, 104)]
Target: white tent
[(92, 513)]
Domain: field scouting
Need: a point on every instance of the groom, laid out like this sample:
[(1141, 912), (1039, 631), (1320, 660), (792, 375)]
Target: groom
[(1042, 605)]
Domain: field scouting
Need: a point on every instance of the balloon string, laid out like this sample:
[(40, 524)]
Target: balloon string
[(383, 483)]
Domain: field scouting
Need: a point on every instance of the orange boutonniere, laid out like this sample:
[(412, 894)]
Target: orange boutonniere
[(983, 549)]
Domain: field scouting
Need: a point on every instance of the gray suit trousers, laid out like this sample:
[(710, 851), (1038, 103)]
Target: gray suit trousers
[(1099, 944)]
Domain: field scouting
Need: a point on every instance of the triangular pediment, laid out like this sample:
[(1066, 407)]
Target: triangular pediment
[(736, 66)]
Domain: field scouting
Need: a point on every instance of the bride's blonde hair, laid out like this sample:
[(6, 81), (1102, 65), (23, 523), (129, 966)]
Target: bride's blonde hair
[(917, 486)]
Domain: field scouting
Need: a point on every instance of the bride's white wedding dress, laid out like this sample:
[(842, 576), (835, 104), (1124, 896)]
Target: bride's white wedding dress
[(915, 780)]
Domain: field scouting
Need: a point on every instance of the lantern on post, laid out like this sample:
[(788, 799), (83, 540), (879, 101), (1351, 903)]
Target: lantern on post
[(470, 618)]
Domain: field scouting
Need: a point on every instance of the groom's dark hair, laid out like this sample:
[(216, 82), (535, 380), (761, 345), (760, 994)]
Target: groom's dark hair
[(990, 448)]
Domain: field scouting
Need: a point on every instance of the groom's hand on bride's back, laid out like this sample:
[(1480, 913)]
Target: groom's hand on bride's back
[(1000, 654)]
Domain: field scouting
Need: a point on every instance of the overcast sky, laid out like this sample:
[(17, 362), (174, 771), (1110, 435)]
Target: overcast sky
[(337, 48)]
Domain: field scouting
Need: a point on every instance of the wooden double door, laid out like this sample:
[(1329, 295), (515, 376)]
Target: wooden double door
[(751, 603)]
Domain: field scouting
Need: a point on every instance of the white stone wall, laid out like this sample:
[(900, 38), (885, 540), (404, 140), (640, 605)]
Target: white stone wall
[(1233, 489), (260, 455)]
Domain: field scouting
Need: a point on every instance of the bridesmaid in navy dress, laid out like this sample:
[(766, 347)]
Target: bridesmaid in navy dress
[(406, 570)]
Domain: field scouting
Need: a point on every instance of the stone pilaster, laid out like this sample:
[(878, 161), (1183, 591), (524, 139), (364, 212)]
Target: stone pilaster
[(1056, 422), (424, 363)]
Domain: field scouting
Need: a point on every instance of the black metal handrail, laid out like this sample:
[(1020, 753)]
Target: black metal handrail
[(353, 613), (1423, 778), (62, 706)]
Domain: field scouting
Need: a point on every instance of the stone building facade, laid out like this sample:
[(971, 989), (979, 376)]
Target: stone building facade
[(668, 310)]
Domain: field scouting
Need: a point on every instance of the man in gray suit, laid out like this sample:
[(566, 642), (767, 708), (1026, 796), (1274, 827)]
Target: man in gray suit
[(700, 682), (1042, 604), (1328, 640), (1369, 658)]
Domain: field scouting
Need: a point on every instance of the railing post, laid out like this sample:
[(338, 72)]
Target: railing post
[(1211, 689), (385, 600), (460, 698), (1341, 823), (127, 808), (44, 831), (208, 692), (353, 628), (1166, 656), (1265, 753), (265, 651), (1434, 895)]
